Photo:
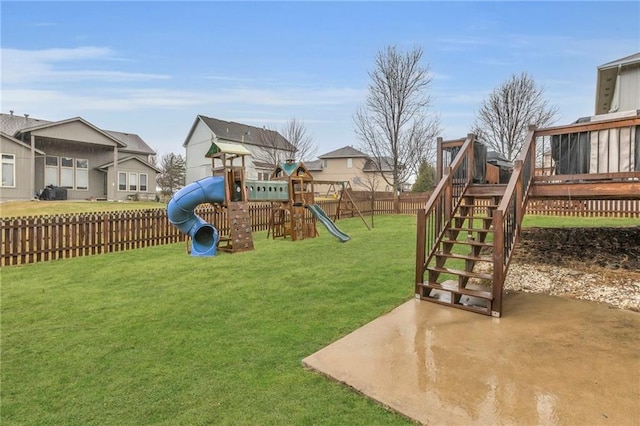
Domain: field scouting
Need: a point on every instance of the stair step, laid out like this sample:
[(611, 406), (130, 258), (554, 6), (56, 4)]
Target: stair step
[(461, 273), (490, 206), (464, 257), (485, 218), (464, 291), (468, 243), (453, 228)]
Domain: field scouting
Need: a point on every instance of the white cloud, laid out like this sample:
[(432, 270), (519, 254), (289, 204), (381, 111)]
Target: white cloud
[(64, 65)]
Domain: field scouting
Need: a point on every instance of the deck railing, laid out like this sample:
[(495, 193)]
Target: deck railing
[(588, 151), (444, 200), (507, 218), (578, 153)]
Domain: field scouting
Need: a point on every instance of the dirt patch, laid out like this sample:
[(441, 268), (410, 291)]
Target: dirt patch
[(612, 248), (598, 264)]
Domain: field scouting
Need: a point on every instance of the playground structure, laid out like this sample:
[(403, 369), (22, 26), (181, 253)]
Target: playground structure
[(290, 193)]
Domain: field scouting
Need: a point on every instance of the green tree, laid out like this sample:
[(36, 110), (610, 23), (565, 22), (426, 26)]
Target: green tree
[(426, 179), (173, 173)]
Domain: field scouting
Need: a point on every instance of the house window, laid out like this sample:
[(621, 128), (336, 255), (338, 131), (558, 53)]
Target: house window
[(66, 172), (50, 171), (143, 182), (133, 181), (325, 163), (349, 163), (82, 174), (8, 170), (122, 181)]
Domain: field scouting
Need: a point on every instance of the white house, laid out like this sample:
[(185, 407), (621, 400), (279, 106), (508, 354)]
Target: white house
[(264, 145), (618, 85)]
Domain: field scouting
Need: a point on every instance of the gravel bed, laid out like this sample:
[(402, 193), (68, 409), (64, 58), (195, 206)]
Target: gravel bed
[(617, 288)]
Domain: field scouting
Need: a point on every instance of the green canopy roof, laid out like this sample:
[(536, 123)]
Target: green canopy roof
[(226, 148), (289, 168)]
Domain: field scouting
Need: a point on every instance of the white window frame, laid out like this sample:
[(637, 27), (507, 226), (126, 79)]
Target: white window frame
[(133, 182), (81, 171), (120, 186), (67, 173), (325, 163), (51, 172), (146, 182), (10, 162), (349, 163)]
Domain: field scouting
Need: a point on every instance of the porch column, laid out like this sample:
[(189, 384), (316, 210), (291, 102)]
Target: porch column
[(114, 182), (32, 175)]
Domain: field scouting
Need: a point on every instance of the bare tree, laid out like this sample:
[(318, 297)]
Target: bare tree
[(504, 117), (296, 133), (394, 127), (173, 173), (292, 143), (371, 182)]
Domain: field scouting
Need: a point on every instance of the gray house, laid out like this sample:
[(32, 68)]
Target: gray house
[(73, 154), (267, 147)]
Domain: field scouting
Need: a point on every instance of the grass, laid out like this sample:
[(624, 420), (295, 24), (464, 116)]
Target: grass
[(154, 336), (531, 221), (46, 208)]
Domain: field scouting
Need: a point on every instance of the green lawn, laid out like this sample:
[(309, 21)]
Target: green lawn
[(48, 208), (154, 336)]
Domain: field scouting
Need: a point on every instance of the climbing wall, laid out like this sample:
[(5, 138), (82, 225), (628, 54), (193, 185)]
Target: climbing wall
[(240, 237)]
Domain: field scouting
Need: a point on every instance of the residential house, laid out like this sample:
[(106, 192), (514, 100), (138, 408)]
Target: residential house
[(88, 162), (265, 146), (618, 85), (347, 164)]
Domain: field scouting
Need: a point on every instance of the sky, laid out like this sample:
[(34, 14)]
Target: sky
[(150, 67)]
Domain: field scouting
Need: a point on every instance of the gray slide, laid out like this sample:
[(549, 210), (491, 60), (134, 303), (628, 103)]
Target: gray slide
[(328, 223)]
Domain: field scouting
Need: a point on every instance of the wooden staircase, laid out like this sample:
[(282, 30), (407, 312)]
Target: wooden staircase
[(467, 232), (461, 270)]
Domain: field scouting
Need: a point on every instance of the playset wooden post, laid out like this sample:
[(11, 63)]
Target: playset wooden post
[(236, 235)]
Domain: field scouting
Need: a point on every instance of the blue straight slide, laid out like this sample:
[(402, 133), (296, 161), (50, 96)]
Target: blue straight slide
[(328, 223)]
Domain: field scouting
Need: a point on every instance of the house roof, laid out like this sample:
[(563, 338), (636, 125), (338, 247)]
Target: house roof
[(344, 152), (263, 165), (13, 125), (243, 133), (19, 142), (386, 164), (627, 60), (50, 124), (127, 158), (314, 166), (133, 142), (607, 80)]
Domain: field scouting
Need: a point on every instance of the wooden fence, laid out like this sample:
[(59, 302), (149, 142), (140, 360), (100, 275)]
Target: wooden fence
[(36, 239), (585, 208)]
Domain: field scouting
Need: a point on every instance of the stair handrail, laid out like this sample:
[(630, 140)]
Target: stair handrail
[(444, 200), (507, 218)]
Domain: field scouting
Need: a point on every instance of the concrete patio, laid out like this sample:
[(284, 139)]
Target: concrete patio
[(548, 360)]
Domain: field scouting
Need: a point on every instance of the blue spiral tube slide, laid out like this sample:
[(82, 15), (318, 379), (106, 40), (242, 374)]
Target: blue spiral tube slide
[(180, 210)]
